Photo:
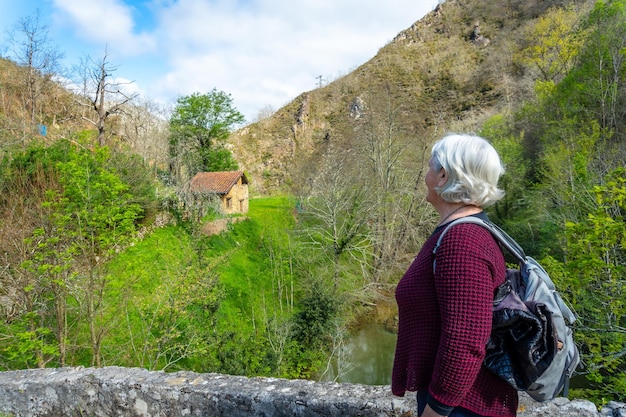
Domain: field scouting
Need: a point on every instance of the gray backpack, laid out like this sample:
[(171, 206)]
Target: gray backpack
[(531, 345)]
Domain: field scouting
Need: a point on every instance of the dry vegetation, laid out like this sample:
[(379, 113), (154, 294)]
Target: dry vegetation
[(434, 73)]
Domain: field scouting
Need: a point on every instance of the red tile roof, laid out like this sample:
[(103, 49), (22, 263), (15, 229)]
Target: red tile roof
[(216, 182)]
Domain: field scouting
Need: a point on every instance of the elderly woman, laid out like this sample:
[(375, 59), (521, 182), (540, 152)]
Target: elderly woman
[(445, 316)]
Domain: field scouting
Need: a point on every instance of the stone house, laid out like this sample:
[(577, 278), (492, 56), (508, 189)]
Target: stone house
[(230, 186)]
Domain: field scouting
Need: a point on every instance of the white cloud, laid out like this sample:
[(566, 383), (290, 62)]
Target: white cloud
[(104, 22), (270, 51)]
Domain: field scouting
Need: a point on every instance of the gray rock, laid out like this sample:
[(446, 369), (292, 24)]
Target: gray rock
[(134, 392), (614, 409), (116, 391)]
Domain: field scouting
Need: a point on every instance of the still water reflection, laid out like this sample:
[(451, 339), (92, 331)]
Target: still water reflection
[(366, 357)]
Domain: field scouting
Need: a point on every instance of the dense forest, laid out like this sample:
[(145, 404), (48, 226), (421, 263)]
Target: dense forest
[(104, 261)]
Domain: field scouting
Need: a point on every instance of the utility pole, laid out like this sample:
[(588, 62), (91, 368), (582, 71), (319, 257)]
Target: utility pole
[(320, 80)]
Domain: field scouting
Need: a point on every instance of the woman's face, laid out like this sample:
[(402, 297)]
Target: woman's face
[(435, 177)]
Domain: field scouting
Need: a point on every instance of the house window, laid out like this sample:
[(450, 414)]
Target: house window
[(241, 206), (229, 202)]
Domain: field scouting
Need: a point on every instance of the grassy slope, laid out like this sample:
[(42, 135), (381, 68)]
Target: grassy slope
[(167, 249), (142, 265), (248, 276), (243, 261)]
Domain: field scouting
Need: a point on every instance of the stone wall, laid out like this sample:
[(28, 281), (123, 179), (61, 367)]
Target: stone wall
[(115, 391), (236, 201)]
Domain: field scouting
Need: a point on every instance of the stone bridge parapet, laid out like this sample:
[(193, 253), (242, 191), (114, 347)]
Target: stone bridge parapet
[(135, 392), (118, 391)]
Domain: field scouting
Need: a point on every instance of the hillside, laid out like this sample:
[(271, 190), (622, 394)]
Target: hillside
[(45, 109), (448, 72)]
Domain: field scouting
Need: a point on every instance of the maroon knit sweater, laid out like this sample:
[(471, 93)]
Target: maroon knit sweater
[(445, 322)]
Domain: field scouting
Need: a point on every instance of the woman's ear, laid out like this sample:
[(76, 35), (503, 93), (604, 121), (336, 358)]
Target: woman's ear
[(442, 178)]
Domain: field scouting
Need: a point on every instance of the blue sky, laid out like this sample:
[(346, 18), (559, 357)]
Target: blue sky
[(262, 52)]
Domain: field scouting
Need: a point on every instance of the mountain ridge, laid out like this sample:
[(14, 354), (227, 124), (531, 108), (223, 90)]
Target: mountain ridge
[(449, 71)]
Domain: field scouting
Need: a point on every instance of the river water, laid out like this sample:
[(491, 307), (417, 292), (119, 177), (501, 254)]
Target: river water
[(365, 358)]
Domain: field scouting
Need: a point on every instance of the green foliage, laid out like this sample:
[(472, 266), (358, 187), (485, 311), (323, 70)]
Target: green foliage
[(566, 168), (98, 202), (596, 271), (82, 214), (167, 296), (552, 43), (498, 130), (136, 174), (316, 315), (30, 343), (198, 124), (220, 159), (561, 205), (524, 212), (594, 89)]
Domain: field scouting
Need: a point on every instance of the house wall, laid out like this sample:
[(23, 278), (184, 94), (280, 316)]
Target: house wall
[(236, 201)]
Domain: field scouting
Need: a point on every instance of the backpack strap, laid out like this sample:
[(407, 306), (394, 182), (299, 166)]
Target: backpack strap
[(516, 250), (500, 235)]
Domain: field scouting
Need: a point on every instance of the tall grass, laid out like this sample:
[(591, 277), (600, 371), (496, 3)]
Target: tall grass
[(254, 289), (250, 271)]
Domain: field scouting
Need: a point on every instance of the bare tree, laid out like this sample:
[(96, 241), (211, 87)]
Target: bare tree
[(338, 210), (394, 162), (102, 93), (145, 129), (265, 112), (31, 48)]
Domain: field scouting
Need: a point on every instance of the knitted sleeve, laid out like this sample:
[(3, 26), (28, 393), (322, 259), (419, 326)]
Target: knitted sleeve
[(467, 265)]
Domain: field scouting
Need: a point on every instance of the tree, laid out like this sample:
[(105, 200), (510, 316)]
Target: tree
[(385, 142), (336, 215), (604, 63), (31, 48), (265, 112), (198, 126), (596, 87), (596, 270), (163, 331), (145, 131), (102, 93), (552, 44), (103, 216)]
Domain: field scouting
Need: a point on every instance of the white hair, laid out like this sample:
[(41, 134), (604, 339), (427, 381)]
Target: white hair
[(473, 167)]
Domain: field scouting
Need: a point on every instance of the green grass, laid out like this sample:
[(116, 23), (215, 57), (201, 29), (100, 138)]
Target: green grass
[(165, 250), (273, 211), (242, 250), (249, 261), (248, 274)]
